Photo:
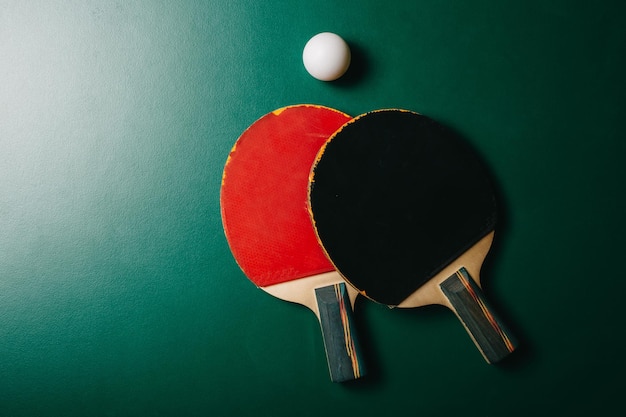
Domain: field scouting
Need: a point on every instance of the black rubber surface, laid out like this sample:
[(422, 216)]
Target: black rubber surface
[(396, 196)]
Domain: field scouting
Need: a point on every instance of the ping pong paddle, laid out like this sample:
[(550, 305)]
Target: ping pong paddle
[(406, 212), (266, 221)]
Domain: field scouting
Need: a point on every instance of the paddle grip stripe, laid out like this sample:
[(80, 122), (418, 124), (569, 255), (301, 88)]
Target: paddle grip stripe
[(490, 335), (342, 347)]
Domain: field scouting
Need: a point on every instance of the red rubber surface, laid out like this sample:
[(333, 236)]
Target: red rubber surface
[(264, 194)]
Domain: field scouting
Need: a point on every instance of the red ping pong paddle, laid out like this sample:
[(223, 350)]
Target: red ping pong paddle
[(266, 221), (406, 212)]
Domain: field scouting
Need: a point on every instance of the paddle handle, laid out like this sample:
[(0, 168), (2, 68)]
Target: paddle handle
[(342, 347), (487, 331)]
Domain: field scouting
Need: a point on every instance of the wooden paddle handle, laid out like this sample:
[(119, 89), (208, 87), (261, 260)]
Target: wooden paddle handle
[(487, 331), (342, 348)]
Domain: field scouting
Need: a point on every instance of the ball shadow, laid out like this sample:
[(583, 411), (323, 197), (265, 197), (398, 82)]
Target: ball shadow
[(357, 71)]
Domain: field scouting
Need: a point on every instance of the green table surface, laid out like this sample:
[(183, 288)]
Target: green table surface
[(119, 295)]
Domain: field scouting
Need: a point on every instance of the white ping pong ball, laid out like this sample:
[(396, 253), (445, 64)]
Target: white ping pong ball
[(326, 56)]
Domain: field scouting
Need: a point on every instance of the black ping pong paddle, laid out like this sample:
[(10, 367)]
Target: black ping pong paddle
[(406, 212)]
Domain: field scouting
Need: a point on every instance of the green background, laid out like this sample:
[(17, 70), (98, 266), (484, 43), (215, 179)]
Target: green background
[(119, 295)]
